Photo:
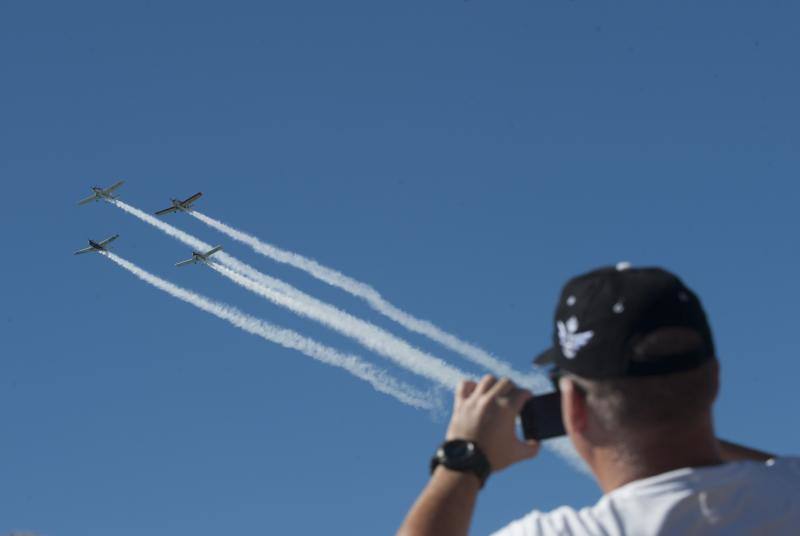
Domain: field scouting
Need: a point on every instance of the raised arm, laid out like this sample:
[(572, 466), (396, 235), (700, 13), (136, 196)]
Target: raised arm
[(445, 506), (484, 414)]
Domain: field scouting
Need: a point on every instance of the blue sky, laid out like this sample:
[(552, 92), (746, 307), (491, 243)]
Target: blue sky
[(464, 158)]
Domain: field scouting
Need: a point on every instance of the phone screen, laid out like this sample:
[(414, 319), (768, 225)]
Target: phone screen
[(541, 417)]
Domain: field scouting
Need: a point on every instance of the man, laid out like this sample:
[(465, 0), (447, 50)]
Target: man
[(635, 364)]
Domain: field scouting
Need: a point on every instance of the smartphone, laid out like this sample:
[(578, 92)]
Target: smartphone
[(541, 417)]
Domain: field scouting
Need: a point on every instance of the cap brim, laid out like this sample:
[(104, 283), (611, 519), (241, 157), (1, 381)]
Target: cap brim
[(548, 357)]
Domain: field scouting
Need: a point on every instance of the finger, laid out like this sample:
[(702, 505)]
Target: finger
[(527, 449), (501, 388), (464, 389), (485, 384), (517, 399)]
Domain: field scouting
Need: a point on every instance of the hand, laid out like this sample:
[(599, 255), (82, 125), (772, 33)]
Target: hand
[(486, 412)]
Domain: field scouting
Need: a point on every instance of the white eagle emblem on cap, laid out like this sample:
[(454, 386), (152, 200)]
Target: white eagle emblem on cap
[(570, 340)]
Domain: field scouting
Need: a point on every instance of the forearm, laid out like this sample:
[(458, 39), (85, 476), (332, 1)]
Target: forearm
[(732, 452), (445, 506)]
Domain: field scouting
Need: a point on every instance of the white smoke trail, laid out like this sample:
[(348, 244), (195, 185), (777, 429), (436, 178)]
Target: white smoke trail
[(369, 335), (378, 378), (477, 355), (283, 294), (199, 245), (186, 238), (563, 448)]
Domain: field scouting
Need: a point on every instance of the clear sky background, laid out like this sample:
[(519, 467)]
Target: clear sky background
[(465, 158)]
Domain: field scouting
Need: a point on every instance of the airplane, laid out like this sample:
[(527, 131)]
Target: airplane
[(199, 257), (101, 193), (178, 205), (97, 246)]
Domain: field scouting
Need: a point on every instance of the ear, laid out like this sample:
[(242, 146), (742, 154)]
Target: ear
[(574, 409)]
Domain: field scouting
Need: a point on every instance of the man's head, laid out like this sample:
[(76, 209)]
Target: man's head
[(636, 359)]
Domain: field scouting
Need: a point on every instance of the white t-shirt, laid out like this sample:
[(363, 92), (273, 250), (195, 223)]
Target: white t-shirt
[(734, 498)]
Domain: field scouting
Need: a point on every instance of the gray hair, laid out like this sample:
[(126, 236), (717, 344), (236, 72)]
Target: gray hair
[(664, 400)]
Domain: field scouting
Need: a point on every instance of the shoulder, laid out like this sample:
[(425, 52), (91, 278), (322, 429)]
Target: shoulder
[(786, 468), (790, 464), (563, 520), (703, 499), (773, 472)]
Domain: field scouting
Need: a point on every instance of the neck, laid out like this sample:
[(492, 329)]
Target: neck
[(654, 452)]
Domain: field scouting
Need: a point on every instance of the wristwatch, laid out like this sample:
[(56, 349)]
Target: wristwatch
[(462, 455)]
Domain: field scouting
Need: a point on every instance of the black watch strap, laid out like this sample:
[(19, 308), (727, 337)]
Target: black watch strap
[(464, 456)]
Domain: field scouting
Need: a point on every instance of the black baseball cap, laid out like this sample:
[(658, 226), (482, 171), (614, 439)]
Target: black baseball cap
[(606, 321)]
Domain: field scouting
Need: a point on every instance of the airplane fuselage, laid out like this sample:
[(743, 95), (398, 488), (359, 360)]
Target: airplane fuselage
[(200, 256), (180, 205), (100, 193), (97, 246)]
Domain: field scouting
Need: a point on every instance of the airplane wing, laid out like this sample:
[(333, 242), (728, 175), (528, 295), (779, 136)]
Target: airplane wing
[(109, 240), (87, 200), (192, 199), (84, 250), (184, 263), (166, 211), (212, 251), (114, 187)]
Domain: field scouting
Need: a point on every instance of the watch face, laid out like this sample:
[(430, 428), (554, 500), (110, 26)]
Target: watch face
[(462, 455), (458, 450)]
